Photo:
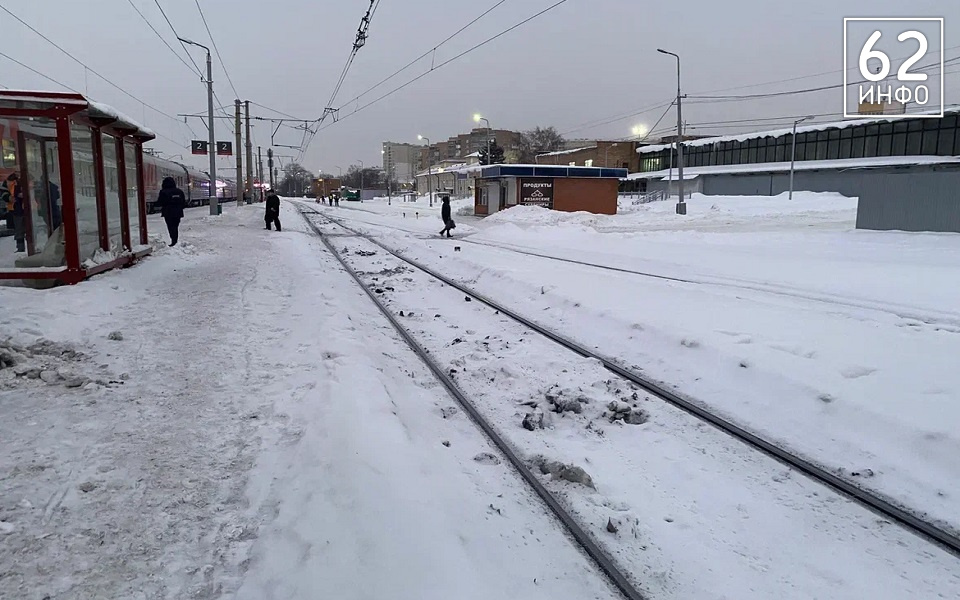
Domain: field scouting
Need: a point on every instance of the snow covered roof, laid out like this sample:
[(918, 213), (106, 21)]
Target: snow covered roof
[(709, 141), (571, 151), (803, 165), (95, 110)]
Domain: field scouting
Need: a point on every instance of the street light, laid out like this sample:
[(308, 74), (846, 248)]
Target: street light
[(682, 205), (477, 118), (606, 155), (361, 179), (793, 151), (429, 166), (212, 147)]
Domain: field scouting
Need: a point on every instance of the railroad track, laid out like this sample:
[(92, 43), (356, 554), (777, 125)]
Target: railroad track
[(874, 502), (902, 312), (586, 542)]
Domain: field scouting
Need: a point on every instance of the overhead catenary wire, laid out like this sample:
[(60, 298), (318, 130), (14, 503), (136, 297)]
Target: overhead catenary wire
[(165, 43), (36, 72), (86, 66), (217, 50), (447, 62), (177, 35), (425, 54)]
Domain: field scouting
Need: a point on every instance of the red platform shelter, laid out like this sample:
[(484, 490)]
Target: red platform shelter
[(71, 188)]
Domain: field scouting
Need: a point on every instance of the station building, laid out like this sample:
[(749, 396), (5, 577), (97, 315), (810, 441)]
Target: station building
[(79, 168), (905, 171)]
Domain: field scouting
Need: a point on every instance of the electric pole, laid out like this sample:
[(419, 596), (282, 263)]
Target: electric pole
[(212, 147), (239, 186), (249, 198), (270, 168), (260, 171)]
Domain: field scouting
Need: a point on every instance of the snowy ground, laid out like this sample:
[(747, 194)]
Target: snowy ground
[(233, 418), (258, 432), (840, 343)]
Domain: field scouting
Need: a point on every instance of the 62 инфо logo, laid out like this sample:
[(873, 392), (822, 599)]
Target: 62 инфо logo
[(874, 85)]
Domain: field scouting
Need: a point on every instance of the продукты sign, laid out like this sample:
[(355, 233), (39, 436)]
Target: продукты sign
[(536, 192)]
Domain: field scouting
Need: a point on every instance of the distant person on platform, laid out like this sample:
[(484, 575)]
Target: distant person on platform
[(272, 212), (171, 202), (448, 223), (11, 198)]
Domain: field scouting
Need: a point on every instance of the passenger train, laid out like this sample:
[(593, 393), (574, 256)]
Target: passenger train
[(195, 184)]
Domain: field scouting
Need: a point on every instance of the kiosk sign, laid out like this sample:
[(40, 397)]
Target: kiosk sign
[(537, 192)]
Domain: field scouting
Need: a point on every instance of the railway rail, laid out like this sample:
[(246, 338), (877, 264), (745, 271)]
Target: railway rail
[(884, 507), (606, 565)]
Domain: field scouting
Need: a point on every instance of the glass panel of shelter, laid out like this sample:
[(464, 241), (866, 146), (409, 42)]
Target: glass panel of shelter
[(31, 233)]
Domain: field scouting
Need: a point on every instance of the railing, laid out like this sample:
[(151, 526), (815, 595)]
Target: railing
[(654, 196)]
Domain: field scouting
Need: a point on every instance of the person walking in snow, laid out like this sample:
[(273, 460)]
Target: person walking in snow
[(171, 202), (448, 223), (272, 212)]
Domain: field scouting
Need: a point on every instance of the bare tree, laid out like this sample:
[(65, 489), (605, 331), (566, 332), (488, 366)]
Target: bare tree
[(538, 141)]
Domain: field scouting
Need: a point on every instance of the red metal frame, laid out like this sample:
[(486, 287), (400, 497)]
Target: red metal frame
[(68, 197), (141, 194), (122, 185), (102, 225)]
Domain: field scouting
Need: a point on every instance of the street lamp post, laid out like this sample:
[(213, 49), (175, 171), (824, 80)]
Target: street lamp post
[(429, 166), (361, 179), (477, 118), (606, 155), (793, 152), (681, 205), (212, 147), (340, 169)]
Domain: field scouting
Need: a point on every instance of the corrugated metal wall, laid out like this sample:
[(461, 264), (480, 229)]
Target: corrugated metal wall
[(908, 199)]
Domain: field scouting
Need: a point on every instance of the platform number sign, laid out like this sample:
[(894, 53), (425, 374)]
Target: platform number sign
[(893, 67), (537, 192), (198, 147), (224, 149)]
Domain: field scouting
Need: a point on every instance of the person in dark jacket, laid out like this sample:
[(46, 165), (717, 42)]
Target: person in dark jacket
[(272, 212), (448, 223), (11, 195), (171, 202)]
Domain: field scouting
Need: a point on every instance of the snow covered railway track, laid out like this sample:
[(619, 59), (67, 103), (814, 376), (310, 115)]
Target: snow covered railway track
[(909, 520), (606, 565)]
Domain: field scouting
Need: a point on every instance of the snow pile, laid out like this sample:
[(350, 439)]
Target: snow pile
[(702, 211)]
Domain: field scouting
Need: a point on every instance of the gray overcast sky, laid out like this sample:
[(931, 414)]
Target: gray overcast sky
[(584, 61)]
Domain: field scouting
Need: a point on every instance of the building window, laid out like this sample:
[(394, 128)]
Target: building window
[(588, 163), (947, 133)]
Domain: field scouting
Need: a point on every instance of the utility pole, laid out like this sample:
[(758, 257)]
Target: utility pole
[(270, 167), (681, 205), (793, 152), (249, 199), (260, 172), (361, 179), (239, 186), (212, 148)]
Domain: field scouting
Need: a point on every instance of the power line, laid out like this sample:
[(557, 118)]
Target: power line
[(448, 61), (83, 64), (619, 117), (220, 58), (427, 53), (277, 111), (47, 77), (176, 35), (169, 47)]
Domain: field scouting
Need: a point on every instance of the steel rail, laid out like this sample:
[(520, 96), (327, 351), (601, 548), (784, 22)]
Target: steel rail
[(580, 536), (879, 505)]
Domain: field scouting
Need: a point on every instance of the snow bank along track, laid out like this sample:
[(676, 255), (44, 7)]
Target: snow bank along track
[(882, 506), (582, 538)]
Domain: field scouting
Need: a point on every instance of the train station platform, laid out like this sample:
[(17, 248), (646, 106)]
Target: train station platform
[(231, 418)]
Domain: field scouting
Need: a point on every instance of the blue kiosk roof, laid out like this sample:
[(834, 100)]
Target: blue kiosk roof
[(550, 171)]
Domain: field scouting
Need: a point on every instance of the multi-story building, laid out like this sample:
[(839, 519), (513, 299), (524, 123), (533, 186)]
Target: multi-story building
[(401, 161), (459, 147)]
